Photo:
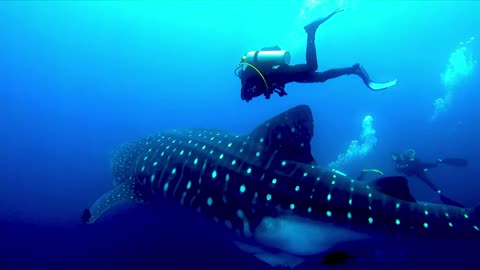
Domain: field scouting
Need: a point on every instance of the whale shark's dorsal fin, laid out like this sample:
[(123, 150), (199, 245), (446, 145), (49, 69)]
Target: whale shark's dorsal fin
[(395, 186), (288, 134)]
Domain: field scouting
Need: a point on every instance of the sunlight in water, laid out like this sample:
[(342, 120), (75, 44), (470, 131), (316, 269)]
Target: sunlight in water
[(459, 68)]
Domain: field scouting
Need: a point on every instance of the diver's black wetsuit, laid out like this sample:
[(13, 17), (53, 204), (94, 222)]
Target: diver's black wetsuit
[(254, 86), (417, 168)]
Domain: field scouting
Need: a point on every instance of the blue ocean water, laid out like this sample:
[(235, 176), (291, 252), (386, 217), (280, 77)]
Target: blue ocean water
[(80, 78)]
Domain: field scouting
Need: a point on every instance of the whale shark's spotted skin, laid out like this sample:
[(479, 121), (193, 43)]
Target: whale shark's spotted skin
[(247, 182)]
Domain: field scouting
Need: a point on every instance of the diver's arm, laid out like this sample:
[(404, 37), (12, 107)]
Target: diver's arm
[(244, 95)]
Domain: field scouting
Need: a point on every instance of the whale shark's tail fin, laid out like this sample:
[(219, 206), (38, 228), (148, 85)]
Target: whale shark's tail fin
[(123, 193)]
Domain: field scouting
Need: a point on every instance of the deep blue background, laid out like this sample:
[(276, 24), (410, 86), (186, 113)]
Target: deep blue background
[(78, 79)]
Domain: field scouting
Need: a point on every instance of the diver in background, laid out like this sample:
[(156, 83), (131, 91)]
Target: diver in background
[(408, 164), (267, 71)]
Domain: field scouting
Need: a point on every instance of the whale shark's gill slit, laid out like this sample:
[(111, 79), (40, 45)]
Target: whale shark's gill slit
[(270, 160), (158, 183), (180, 181)]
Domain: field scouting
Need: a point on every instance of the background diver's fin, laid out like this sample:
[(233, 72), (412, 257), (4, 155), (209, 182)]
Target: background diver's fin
[(364, 172), (458, 162), (381, 86), (122, 193)]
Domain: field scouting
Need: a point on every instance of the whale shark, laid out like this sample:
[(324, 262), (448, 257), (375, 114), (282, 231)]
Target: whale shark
[(268, 190)]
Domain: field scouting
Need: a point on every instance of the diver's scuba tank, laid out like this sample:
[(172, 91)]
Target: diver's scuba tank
[(264, 59), (267, 57)]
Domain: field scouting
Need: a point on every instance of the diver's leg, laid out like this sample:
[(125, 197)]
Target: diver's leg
[(324, 75), (422, 176), (311, 54), (311, 29)]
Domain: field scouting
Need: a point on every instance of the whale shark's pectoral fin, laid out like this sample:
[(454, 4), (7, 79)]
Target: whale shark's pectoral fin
[(123, 193), (395, 186), (275, 259)]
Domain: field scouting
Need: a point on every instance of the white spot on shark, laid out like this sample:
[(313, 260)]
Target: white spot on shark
[(209, 201), (165, 187), (242, 189)]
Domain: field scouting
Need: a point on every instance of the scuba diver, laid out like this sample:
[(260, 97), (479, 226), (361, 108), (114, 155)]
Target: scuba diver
[(408, 164), (267, 71)]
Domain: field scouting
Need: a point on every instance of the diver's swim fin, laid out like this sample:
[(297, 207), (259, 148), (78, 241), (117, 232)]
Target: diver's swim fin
[(381, 86), (312, 27), (451, 202), (458, 162), (375, 86)]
